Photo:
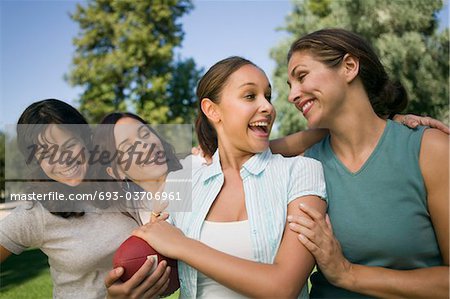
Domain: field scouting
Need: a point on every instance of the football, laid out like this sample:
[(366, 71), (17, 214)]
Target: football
[(132, 254)]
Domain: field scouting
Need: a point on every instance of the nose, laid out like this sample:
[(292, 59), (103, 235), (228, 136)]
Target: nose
[(266, 107), (294, 94), (143, 146)]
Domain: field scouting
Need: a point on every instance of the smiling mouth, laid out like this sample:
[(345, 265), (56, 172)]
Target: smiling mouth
[(305, 105), (70, 171), (259, 126), (153, 159)]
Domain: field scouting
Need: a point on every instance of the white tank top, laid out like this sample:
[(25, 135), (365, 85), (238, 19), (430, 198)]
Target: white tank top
[(232, 238)]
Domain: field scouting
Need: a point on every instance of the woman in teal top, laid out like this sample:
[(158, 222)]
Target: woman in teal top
[(387, 234)]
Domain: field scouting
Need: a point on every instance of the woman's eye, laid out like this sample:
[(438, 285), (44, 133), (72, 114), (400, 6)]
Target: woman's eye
[(301, 77), (144, 134), (250, 96), (44, 155)]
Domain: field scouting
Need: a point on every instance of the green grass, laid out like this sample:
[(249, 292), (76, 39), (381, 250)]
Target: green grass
[(26, 276)]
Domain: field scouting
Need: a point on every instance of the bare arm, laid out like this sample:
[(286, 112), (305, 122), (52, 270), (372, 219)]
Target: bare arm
[(284, 278), (297, 143), (429, 282), (4, 253)]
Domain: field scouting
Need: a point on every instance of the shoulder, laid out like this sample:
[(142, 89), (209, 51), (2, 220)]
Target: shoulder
[(297, 162), (434, 149), (28, 208), (26, 216), (435, 138), (318, 150)]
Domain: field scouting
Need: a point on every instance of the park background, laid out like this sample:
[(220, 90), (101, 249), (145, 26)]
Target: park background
[(147, 56)]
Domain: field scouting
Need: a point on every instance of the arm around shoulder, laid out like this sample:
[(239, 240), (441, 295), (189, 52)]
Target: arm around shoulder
[(297, 143)]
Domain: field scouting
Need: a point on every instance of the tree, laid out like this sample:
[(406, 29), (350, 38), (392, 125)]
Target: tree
[(124, 59), (405, 35), (2, 164)]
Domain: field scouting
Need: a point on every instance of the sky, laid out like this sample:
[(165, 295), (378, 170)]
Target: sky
[(36, 44)]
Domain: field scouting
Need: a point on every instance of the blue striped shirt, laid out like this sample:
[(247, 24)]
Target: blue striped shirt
[(270, 183)]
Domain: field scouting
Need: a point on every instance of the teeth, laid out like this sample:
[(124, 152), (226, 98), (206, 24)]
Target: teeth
[(70, 171), (259, 124), (307, 105)]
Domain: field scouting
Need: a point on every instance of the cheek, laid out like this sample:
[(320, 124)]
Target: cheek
[(46, 168)]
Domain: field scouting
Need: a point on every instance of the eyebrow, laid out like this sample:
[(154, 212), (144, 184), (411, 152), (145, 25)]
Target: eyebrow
[(64, 144), (293, 70), (126, 140), (248, 83), (143, 126), (45, 140), (253, 84)]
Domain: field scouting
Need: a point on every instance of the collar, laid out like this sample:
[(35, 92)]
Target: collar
[(255, 165)]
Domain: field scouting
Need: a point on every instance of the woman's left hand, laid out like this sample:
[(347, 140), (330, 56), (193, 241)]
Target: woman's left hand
[(162, 236), (412, 121), (316, 234)]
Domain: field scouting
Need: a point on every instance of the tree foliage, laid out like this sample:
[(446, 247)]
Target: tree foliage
[(124, 60), (2, 164), (404, 34)]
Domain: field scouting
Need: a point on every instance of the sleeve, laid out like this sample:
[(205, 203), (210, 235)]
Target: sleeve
[(306, 178), (22, 228)]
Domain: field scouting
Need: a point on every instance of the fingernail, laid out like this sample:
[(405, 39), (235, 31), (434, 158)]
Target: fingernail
[(291, 225), (302, 237), (290, 218), (301, 205), (119, 271)]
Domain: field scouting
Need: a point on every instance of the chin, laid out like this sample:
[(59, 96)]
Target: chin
[(72, 182), (312, 123)]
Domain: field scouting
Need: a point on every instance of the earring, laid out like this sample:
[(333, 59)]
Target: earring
[(125, 185)]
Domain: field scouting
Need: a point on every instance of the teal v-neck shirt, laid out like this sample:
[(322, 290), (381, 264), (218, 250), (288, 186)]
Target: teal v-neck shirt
[(379, 214)]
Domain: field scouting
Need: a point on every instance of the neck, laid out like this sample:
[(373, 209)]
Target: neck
[(356, 130), (232, 158), (155, 185)]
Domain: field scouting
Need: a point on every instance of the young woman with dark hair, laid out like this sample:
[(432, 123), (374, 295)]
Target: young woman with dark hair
[(79, 239)]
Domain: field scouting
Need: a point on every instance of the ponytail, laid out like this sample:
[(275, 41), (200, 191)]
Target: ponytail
[(392, 99), (206, 134)]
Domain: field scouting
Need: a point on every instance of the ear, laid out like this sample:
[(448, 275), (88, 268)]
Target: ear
[(211, 110), (351, 67), (110, 172)]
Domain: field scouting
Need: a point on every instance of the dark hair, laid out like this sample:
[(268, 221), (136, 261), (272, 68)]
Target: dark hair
[(210, 86), (33, 122), (104, 139), (330, 46)]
